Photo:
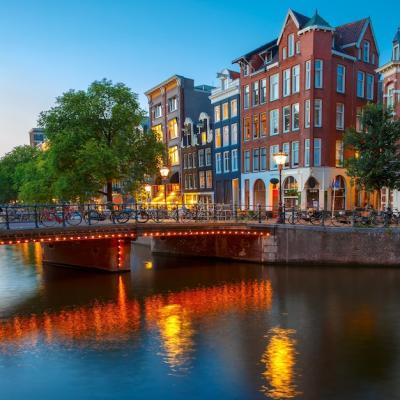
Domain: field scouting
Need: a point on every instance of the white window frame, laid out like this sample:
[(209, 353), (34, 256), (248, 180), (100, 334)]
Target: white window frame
[(256, 158), (360, 84), (286, 149), (274, 87), (234, 160), (290, 45), (366, 51), (263, 91), (296, 79), (217, 113), (307, 80), (226, 161), (246, 96), (218, 163), (273, 150), (340, 116), (341, 88), (318, 107), (370, 87), (246, 167), (318, 74), (286, 113), (286, 82), (234, 133), (274, 117), (298, 47), (225, 136), (295, 154), (234, 108), (307, 113), (294, 106), (306, 152), (255, 93), (263, 150), (317, 152)]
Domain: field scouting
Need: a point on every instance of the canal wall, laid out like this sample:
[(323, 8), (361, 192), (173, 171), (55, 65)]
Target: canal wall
[(294, 244)]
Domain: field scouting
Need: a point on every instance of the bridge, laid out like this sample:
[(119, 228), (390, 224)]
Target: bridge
[(73, 240)]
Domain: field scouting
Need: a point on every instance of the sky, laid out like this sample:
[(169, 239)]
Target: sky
[(49, 47)]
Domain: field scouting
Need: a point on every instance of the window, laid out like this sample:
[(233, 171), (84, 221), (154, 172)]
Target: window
[(286, 150), (234, 133), (318, 74), (209, 179), (208, 156), (218, 163), (307, 152), (295, 154), (235, 164), (225, 135), (307, 84), (360, 84), (157, 111), (307, 113), (202, 180), (263, 93), (201, 157), (225, 110), (203, 137), (189, 160), (217, 113), (390, 96), (247, 129), (273, 150), (256, 127), (286, 82), (226, 161), (246, 161), (296, 79), (274, 122), (246, 96), (185, 161), (295, 117), (359, 119), (286, 119), (370, 87), (172, 104), (284, 53), (245, 69), (263, 163), (298, 47), (290, 45), (318, 113), (255, 94), (158, 131), (173, 155), (274, 87), (263, 123), (317, 152), (234, 108), (223, 83), (339, 153), (218, 141), (396, 53), (173, 128), (340, 116), (256, 160), (366, 48), (340, 78)]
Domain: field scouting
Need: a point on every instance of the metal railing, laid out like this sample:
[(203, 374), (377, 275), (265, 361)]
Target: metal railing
[(63, 215)]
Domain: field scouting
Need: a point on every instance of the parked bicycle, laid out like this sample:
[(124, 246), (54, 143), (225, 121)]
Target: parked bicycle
[(95, 216), (57, 215)]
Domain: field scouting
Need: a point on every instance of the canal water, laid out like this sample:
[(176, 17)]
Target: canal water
[(197, 329)]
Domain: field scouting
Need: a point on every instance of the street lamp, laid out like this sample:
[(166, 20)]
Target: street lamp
[(280, 160), (164, 171), (147, 188)]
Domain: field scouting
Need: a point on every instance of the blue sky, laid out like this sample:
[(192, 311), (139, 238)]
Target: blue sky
[(48, 47)]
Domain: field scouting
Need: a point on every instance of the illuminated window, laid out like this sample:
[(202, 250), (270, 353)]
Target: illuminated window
[(208, 156), (173, 128), (339, 153), (234, 109), (209, 180), (234, 133), (202, 180), (158, 131), (218, 141), (225, 111), (173, 154), (263, 124), (256, 127), (217, 113), (247, 129), (225, 135)]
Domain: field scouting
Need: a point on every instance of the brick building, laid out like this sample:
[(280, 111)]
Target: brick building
[(225, 100), (298, 94), (390, 73), (170, 103)]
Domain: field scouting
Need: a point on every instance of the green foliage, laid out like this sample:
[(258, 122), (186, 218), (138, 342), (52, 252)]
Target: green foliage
[(376, 161), (10, 171), (94, 139)]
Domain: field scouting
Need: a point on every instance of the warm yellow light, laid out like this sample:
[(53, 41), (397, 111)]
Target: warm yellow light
[(164, 171), (147, 188), (280, 158)]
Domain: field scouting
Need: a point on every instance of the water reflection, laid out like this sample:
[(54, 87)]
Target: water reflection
[(279, 359)]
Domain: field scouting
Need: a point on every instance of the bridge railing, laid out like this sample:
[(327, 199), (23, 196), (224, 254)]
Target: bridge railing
[(23, 216)]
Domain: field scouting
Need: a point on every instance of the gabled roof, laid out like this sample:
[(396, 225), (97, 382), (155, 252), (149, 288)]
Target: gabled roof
[(349, 34), (299, 19), (396, 38), (260, 49), (316, 20)]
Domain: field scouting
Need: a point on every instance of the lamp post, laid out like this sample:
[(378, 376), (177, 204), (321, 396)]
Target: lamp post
[(147, 188), (164, 171), (280, 160)]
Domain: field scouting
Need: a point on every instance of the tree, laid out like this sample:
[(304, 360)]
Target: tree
[(10, 166), (95, 138), (376, 158)]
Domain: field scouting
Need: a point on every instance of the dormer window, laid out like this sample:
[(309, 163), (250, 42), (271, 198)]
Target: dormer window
[(366, 49), (223, 83), (246, 69), (268, 57), (291, 45), (396, 52)]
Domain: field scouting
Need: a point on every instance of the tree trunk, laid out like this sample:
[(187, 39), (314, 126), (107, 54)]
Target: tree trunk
[(109, 192)]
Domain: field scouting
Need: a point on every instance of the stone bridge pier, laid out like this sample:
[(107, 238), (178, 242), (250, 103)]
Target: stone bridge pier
[(112, 255)]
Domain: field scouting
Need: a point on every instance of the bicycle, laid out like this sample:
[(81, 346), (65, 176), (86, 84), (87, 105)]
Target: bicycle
[(94, 216), (299, 216), (53, 216)]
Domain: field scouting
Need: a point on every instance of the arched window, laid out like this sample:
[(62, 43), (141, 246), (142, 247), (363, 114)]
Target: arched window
[(259, 193)]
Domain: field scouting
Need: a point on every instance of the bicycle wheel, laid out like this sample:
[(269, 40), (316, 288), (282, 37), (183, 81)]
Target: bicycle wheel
[(49, 219), (94, 217), (122, 217), (315, 220), (142, 216), (73, 218), (293, 219)]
